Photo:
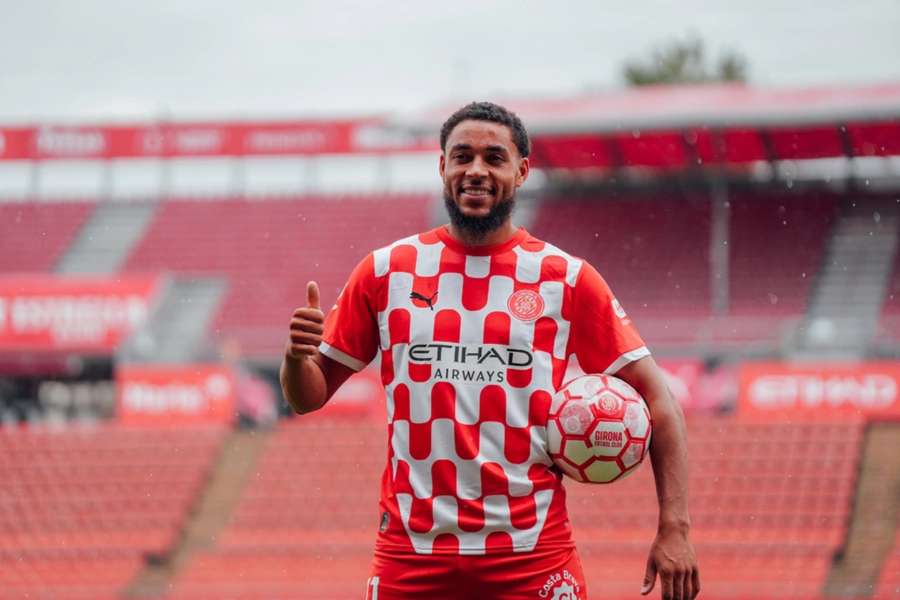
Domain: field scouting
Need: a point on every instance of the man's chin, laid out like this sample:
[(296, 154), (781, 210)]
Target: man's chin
[(478, 221)]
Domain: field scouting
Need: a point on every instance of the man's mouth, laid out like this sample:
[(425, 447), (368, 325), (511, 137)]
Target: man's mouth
[(476, 192)]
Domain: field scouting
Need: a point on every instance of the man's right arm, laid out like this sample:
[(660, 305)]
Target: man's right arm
[(309, 379)]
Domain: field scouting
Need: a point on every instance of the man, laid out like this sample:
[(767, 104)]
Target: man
[(475, 323)]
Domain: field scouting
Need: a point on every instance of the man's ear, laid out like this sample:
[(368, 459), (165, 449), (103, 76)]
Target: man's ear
[(524, 169), (441, 165)]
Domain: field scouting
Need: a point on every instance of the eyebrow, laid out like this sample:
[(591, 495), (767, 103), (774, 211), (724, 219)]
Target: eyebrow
[(491, 148)]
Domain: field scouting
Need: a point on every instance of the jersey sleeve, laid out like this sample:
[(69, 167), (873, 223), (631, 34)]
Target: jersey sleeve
[(603, 336), (351, 327)]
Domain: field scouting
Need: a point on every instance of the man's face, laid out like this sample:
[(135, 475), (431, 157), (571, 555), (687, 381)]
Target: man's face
[(481, 169)]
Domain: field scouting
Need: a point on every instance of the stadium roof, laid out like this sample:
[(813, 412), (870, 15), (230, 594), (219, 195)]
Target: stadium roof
[(679, 107), (679, 127)]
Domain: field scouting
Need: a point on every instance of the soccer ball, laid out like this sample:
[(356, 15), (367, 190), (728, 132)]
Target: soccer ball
[(599, 429)]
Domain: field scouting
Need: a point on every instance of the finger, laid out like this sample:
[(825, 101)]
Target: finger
[(312, 294), (303, 337), (695, 580), (665, 583), (649, 577), (687, 587), (678, 586), (307, 325), (309, 313), (298, 350)]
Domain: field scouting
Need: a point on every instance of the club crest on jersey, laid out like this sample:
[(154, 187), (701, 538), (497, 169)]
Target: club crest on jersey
[(525, 305)]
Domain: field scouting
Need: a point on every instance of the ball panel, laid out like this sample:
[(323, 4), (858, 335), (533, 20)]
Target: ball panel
[(633, 454), (636, 419), (602, 471), (577, 451), (575, 418)]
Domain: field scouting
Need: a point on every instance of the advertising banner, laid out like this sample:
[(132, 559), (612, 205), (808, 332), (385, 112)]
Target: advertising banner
[(166, 394), (838, 390), (206, 139), (73, 314)]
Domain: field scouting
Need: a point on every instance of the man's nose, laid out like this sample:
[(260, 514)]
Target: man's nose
[(477, 168)]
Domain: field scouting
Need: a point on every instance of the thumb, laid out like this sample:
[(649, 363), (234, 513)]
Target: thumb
[(312, 294), (649, 577)]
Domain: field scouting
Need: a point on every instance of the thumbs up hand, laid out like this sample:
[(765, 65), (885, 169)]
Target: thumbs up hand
[(307, 325)]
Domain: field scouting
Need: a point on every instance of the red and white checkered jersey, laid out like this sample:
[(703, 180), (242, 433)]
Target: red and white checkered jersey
[(473, 342)]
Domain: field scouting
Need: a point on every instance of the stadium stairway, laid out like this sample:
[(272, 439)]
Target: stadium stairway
[(846, 301), (875, 517), (177, 328), (236, 461), (107, 237)]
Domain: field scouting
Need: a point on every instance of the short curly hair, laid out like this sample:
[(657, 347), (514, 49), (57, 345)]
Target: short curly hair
[(488, 111)]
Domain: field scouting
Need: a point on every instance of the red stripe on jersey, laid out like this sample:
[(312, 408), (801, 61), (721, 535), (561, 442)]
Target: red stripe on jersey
[(518, 378), (403, 259), (498, 542), (492, 404), (467, 439), (539, 408), (387, 367), (545, 330), (446, 326), (496, 328), (420, 440), (421, 517), (401, 403), (517, 444), (494, 481), (475, 293), (443, 401), (398, 324), (471, 515), (443, 478), (522, 512)]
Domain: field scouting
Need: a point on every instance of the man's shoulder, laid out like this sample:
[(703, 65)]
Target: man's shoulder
[(538, 250), (422, 241)]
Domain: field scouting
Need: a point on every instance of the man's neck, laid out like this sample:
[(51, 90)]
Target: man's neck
[(498, 236)]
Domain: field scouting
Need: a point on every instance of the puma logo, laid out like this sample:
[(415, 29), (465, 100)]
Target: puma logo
[(425, 299)]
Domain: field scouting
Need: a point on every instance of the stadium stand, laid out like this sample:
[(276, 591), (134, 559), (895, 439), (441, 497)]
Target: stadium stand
[(305, 524), (654, 252), (888, 585), (766, 498), (269, 249), (777, 243), (36, 234), (81, 510)]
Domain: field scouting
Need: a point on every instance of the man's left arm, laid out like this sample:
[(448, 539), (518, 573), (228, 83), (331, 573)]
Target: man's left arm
[(671, 555)]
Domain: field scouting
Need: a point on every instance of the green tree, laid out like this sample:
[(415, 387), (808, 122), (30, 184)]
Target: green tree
[(684, 61)]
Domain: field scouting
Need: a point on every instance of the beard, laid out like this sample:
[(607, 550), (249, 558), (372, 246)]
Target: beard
[(478, 227)]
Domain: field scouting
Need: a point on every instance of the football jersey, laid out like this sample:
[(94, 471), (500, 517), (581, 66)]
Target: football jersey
[(473, 341)]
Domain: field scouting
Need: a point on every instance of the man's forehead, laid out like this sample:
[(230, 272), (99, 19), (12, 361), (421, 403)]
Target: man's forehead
[(476, 133)]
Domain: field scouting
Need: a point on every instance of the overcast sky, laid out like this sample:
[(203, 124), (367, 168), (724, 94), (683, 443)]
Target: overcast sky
[(119, 60)]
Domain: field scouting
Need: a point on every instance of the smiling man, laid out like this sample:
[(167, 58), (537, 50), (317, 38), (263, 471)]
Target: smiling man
[(475, 323)]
